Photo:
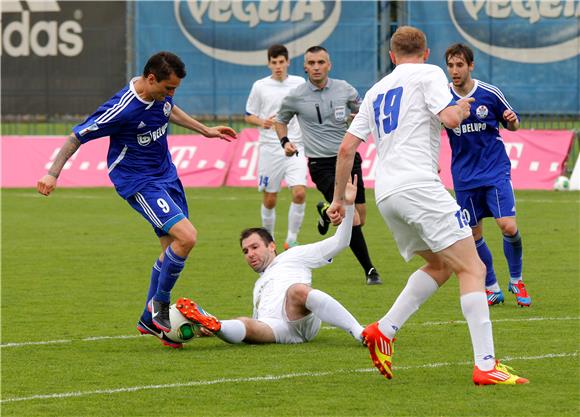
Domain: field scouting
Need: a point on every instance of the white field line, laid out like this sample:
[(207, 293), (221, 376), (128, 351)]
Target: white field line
[(427, 323), (264, 378)]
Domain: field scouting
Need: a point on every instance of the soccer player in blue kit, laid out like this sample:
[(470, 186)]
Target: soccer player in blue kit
[(140, 167), (481, 168)]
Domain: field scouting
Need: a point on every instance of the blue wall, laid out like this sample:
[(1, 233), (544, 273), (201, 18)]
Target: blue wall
[(529, 49), (219, 79)]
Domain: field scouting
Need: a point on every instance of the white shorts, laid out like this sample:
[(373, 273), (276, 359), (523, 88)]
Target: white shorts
[(272, 311), (425, 218), (274, 166)]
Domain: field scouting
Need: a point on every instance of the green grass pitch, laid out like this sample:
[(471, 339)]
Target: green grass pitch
[(75, 270)]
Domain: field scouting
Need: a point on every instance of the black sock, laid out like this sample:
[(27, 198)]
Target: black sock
[(358, 245)]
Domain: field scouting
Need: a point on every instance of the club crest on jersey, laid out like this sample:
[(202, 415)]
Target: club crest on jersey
[(457, 131), (144, 139), (167, 109), (481, 112)]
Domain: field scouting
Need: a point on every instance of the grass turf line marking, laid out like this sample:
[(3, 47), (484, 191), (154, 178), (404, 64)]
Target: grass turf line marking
[(264, 378), (427, 323)]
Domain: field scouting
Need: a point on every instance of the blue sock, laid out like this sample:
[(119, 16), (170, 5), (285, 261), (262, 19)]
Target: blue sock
[(146, 316), (485, 256), (512, 248), (170, 270)]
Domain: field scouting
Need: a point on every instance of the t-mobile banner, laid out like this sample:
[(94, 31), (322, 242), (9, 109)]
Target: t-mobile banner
[(537, 159), (200, 162), (244, 169)]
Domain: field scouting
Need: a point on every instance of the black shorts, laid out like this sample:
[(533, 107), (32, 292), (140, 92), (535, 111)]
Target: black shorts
[(322, 172)]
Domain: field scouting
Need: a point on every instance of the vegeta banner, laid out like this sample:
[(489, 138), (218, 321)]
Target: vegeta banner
[(529, 49), (224, 43)]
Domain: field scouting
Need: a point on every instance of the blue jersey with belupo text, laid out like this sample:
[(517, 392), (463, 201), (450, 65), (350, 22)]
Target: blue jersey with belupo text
[(478, 155), (138, 150)]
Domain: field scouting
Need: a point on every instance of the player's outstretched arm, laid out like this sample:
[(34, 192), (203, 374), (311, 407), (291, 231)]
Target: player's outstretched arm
[(263, 123), (341, 240), (344, 165), (181, 118), (452, 116), (48, 182)]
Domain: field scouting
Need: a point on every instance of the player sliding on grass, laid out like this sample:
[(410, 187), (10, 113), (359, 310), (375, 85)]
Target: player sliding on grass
[(136, 120), (404, 112), (286, 308)]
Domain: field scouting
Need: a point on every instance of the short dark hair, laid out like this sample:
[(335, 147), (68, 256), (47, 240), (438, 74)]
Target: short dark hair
[(260, 231), (408, 41), (277, 50), (163, 64), (316, 48), (459, 49)]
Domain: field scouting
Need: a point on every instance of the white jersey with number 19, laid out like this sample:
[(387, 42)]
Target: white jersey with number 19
[(400, 111)]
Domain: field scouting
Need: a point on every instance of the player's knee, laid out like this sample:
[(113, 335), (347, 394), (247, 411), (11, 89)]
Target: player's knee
[(297, 294), (439, 270), (509, 229), (298, 195), (187, 239), (269, 200), (479, 268)]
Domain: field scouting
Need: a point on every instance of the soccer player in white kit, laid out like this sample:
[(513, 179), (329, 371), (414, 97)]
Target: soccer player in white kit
[(404, 112), (273, 165), (287, 309)]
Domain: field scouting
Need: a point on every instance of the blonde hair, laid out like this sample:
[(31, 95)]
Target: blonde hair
[(408, 41)]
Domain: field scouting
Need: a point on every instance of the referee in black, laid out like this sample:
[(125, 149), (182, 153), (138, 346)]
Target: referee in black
[(323, 106)]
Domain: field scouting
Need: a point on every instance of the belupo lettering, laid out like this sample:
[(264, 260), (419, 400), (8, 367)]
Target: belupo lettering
[(144, 139), (472, 127)]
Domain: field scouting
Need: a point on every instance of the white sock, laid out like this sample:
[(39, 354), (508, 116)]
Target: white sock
[(419, 288), (269, 219), (295, 218), (232, 331), (332, 312), (476, 312), (494, 288)]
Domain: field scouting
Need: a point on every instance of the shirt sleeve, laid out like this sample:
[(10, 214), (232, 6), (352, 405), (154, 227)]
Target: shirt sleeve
[(103, 122), (286, 111), (436, 90), (354, 99), (501, 106), (360, 126), (254, 104), (321, 253)]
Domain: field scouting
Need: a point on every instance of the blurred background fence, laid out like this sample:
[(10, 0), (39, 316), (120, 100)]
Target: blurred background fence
[(61, 59)]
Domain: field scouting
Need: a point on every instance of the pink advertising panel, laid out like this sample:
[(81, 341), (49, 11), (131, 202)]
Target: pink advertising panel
[(244, 169), (200, 162), (537, 158)]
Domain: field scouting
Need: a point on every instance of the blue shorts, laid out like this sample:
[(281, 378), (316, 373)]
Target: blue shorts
[(162, 205), (490, 201)]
